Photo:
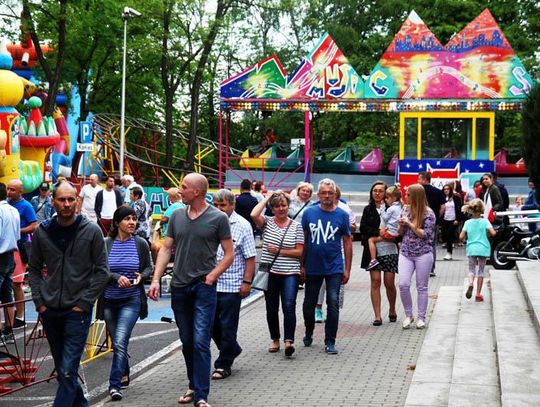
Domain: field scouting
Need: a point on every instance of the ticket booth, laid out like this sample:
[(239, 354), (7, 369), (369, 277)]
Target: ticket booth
[(447, 135), (450, 145)]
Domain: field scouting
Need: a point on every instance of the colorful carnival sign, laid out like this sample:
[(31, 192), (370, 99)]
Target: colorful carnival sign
[(476, 70)]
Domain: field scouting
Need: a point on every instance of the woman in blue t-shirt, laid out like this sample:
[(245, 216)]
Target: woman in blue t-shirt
[(124, 298)]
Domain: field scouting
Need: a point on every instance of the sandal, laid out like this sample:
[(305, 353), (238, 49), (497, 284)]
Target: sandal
[(273, 348), (202, 403), (188, 397), (219, 374), (124, 382)]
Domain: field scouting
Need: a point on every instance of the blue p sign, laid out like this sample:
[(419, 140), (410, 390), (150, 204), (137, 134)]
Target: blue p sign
[(85, 130)]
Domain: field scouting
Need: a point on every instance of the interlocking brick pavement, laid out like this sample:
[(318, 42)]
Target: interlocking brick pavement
[(373, 368)]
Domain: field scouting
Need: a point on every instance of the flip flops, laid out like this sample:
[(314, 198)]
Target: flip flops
[(188, 397)]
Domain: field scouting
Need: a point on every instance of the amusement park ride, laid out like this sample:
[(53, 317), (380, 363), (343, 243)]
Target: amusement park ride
[(446, 96)]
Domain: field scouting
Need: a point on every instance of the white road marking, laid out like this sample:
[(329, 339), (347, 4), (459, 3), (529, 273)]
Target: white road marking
[(135, 369)]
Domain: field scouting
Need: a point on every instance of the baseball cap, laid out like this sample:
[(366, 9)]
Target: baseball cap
[(44, 185)]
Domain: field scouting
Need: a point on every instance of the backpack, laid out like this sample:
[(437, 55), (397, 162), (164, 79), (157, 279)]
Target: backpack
[(504, 195)]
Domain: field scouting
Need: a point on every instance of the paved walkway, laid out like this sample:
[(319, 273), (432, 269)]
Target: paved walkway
[(374, 367)]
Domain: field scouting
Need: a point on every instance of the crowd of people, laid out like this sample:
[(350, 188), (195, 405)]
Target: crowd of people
[(95, 247)]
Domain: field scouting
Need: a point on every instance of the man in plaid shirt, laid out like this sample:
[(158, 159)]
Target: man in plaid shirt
[(233, 285)]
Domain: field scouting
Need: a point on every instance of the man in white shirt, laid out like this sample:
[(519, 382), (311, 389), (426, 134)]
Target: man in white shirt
[(107, 201), (10, 232), (87, 199)]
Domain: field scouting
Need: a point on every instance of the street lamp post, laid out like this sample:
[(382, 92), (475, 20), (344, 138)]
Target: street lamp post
[(126, 15)]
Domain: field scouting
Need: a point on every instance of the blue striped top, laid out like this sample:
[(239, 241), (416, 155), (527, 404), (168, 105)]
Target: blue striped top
[(124, 260)]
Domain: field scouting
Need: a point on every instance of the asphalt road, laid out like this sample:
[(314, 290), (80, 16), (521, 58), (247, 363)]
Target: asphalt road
[(151, 340)]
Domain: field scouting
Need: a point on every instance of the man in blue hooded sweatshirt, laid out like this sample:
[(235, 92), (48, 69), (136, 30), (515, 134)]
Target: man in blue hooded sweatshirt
[(70, 250)]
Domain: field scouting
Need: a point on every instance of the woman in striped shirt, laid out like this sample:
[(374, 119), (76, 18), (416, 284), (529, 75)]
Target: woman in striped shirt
[(124, 297), (285, 270)]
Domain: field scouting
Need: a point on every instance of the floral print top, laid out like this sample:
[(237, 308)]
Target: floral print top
[(414, 246), (142, 212)]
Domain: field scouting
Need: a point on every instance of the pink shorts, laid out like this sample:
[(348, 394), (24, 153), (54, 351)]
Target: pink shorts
[(20, 268)]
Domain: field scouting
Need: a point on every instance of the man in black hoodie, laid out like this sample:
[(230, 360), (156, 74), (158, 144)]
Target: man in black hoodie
[(73, 250)]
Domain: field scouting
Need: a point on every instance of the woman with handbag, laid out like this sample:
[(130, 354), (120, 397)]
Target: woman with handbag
[(124, 299), (283, 242)]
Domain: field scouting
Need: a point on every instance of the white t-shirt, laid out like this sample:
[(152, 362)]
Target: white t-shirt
[(449, 210), (347, 208), (88, 195), (109, 204)]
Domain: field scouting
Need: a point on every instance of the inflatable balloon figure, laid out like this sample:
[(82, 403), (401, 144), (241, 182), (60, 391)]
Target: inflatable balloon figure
[(37, 137), (11, 92), (32, 149)]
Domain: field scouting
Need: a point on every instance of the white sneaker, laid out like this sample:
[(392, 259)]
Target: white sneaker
[(420, 324), (407, 322), (448, 256)]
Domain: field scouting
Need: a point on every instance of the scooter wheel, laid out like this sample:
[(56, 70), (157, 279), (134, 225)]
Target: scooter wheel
[(500, 262)]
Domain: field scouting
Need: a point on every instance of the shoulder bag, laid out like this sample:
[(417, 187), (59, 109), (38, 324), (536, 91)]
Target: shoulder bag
[(260, 279)]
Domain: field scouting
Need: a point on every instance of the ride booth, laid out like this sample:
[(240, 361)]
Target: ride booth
[(447, 97)]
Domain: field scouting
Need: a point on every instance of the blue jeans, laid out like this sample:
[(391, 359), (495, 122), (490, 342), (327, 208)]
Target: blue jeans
[(225, 329), (311, 293), (66, 333), (7, 265), (194, 307), (285, 286), (120, 316)]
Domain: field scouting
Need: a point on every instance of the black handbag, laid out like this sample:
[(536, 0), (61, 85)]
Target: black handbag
[(24, 250)]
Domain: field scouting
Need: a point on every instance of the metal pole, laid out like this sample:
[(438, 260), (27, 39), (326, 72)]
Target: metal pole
[(123, 103), (307, 147), (220, 152)]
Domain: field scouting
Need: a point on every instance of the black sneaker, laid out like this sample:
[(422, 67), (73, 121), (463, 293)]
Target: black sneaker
[(19, 323), (308, 339), (330, 348), (116, 395), (7, 338), (468, 294)]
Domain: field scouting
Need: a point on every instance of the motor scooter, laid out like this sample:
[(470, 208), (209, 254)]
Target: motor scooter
[(511, 244)]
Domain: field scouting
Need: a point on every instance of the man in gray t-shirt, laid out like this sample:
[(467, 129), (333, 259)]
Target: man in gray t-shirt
[(196, 233), (196, 242)]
